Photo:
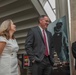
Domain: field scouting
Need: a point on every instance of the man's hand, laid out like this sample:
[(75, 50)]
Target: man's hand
[(33, 61)]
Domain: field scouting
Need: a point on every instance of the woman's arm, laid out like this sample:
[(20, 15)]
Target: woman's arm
[(2, 45)]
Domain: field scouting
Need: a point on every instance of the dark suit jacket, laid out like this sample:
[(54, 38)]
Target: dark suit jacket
[(34, 45), (74, 51)]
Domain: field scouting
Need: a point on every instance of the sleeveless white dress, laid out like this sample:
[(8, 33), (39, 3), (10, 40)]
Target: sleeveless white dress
[(8, 59)]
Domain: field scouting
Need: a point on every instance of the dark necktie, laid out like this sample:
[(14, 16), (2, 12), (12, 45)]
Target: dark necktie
[(45, 42)]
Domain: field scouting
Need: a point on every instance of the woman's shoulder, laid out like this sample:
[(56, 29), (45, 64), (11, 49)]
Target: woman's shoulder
[(2, 38)]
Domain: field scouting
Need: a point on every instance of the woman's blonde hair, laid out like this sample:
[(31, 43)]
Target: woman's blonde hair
[(5, 27)]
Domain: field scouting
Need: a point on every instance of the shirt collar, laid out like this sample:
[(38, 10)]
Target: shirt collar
[(41, 29)]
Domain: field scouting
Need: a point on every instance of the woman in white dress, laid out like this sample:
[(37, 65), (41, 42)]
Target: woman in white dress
[(8, 49)]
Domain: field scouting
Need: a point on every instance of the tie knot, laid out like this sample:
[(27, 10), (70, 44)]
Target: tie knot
[(43, 30)]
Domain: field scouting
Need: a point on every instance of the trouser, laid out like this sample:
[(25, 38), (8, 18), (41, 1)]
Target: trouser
[(42, 68)]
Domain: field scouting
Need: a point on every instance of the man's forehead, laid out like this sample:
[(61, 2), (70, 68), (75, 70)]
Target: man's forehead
[(46, 18)]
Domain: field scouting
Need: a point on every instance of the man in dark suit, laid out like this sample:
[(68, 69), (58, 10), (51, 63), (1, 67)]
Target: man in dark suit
[(39, 48), (74, 51)]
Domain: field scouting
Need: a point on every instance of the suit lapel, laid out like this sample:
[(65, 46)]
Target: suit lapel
[(40, 33)]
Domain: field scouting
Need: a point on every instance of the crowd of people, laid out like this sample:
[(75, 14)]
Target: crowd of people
[(40, 46)]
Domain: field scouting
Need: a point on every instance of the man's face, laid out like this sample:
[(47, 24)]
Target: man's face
[(44, 22)]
